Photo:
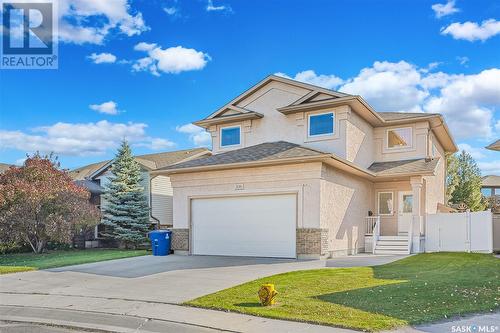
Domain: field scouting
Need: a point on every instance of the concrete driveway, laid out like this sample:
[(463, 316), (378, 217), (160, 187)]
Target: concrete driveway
[(171, 279), (142, 294)]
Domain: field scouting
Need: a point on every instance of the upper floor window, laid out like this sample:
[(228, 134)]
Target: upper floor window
[(230, 136), (321, 124), (399, 137)]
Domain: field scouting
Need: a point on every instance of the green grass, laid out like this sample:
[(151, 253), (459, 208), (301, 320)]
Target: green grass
[(417, 289), (10, 263), (15, 269)]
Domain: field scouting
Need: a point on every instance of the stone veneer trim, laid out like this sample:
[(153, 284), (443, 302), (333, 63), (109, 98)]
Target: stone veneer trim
[(180, 239), (312, 241)]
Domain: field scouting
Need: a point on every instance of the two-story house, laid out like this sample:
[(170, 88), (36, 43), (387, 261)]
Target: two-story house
[(302, 171)]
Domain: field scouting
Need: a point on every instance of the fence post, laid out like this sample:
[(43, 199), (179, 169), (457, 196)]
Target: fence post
[(468, 231)]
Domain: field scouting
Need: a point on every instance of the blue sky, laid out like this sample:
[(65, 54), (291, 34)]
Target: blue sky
[(146, 69)]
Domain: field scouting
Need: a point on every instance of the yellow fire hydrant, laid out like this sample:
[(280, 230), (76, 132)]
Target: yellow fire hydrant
[(267, 293)]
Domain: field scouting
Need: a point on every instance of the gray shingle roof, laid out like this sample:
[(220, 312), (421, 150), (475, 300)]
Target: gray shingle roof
[(152, 161), (262, 152), (491, 180), (403, 167), (494, 146), (392, 116), (85, 171), (4, 167)]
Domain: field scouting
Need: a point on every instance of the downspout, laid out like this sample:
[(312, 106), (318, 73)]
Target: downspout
[(428, 143), (151, 202)]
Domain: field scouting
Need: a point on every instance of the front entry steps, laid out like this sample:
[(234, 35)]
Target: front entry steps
[(392, 245)]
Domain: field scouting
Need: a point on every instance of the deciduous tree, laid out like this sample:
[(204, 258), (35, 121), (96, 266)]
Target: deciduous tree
[(40, 203)]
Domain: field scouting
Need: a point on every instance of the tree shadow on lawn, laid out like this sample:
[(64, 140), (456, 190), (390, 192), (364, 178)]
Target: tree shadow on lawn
[(249, 305), (426, 291)]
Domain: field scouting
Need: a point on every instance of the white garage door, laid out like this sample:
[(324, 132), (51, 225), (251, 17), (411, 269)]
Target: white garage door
[(259, 226)]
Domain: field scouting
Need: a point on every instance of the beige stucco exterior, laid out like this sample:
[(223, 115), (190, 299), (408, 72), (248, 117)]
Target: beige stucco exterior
[(327, 199), (332, 204)]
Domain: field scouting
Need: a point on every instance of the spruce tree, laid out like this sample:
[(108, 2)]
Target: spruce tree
[(464, 181), (126, 210)]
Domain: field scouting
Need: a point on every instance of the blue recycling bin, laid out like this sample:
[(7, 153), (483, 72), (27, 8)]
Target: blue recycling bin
[(160, 242)]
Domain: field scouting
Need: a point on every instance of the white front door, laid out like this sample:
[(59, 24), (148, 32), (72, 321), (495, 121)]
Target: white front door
[(257, 226), (405, 212)]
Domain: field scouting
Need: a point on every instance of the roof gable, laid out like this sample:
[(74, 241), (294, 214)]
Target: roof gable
[(308, 91)]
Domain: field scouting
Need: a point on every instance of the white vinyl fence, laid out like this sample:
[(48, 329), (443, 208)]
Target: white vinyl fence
[(459, 232)]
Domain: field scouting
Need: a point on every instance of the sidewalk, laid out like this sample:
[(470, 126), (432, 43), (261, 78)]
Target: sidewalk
[(114, 313), (125, 316)]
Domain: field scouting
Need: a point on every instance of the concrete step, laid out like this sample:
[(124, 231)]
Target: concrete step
[(391, 246), (385, 242), (405, 238), (377, 251)]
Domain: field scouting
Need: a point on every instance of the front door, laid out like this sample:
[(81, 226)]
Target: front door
[(405, 212)]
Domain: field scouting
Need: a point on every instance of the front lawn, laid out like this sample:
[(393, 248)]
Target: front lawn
[(10, 263), (417, 289)]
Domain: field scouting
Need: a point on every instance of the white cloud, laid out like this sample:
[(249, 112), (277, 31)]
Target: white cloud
[(463, 60), (102, 58), (196, 134), (20, 161), (172, 11), (471, 31), (497, 126), (489, 168), (172, 60), (476, 153), (309, 76), (221, 8), (441, 10), (106, 107), (91, 21), (80, 139), (432, 66), (143, 46), (389, 86), (156, 144), (468, 102)]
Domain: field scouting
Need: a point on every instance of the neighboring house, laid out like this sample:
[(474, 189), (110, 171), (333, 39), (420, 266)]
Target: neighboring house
[(490, 187), (298, 169), (4, 167), (494, 146), (157, 188)]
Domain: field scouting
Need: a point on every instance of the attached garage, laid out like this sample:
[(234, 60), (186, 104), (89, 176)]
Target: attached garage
[(250, 225)]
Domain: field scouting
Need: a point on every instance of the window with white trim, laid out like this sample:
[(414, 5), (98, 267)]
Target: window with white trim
[(321, 124), (385, 203), (399, 137), (230, 136)]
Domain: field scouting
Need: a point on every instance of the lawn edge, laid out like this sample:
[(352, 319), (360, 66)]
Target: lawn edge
[(188, 304), (80, 263)]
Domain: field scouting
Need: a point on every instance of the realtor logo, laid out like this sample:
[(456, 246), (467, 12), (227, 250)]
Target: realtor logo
[(29, 39)]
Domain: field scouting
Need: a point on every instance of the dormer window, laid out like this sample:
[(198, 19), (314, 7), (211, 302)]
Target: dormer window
[(321, 124), (399, 138), (230, 136)]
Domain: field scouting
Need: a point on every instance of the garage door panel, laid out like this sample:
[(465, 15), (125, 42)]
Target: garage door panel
[(245, 226)]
